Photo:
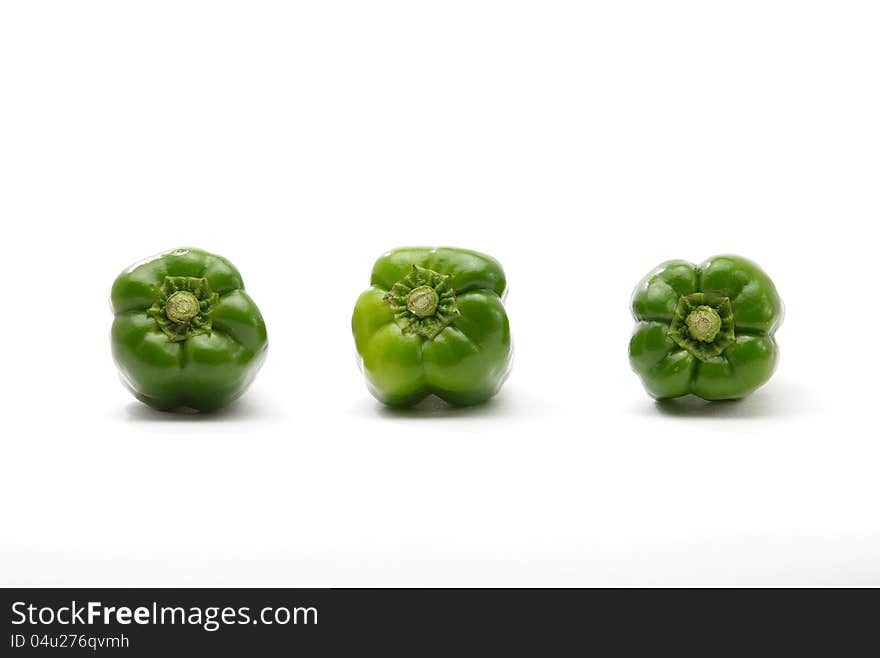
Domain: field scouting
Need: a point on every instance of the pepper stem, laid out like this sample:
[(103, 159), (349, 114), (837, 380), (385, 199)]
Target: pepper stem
[(422, 301), (703, 323), (182, 307)]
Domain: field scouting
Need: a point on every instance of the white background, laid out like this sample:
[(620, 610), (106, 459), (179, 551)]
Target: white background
[(580, 144)]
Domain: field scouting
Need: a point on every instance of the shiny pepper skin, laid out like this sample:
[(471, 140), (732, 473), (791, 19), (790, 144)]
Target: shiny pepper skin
[(433, 322), (705, 329), (185, 333)]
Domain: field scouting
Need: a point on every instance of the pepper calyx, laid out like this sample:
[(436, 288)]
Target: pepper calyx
[(703, 324), (423, 302), (183, 307)]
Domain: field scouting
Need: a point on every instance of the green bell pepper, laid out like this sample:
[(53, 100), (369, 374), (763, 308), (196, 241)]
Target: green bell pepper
[(706, 330), (185, 333), (433, 322)]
